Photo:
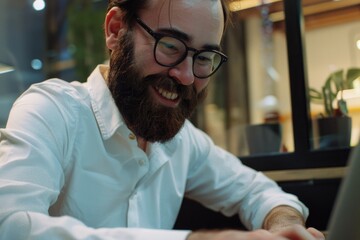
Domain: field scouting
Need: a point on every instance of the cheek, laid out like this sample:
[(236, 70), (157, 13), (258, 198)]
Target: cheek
[(200, 84), (144, 58), (146, 63)]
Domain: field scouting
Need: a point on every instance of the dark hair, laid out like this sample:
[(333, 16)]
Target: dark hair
[(131, 7)]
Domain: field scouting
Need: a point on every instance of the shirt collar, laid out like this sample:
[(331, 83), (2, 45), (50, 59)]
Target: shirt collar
[(105, 110)]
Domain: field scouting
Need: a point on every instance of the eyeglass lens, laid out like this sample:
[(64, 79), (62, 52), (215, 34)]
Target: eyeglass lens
[(170, 51)]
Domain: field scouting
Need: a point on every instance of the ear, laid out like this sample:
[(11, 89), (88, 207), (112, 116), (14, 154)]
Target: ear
[(114, 26)]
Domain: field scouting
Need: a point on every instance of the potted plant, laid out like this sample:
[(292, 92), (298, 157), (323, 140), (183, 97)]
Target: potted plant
[(334, 125)]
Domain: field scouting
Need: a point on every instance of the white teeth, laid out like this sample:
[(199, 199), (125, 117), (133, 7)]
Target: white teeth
[(167, 94)]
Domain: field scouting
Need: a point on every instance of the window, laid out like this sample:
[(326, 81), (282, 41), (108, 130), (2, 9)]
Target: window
[(294, 40)]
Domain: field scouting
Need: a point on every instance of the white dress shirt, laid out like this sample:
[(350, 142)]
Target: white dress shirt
[(71, 169)]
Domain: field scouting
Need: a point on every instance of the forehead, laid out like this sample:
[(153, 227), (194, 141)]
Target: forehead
[(202, 20)]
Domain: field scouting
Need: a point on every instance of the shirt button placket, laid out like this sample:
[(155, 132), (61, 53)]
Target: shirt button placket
[(133, 216)]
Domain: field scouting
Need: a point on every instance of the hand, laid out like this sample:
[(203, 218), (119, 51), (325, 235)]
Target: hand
[(234, 235), (295, 232), (298, 232), (316, 233)]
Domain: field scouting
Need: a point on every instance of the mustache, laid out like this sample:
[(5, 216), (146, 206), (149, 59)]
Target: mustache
[(186, 92)]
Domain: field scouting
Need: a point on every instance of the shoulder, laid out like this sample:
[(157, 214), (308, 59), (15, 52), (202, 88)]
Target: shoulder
[(55, 87), (53, 102), (54, 93), (50, 112)]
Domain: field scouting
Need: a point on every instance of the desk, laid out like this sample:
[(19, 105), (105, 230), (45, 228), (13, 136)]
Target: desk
[(306, 174)]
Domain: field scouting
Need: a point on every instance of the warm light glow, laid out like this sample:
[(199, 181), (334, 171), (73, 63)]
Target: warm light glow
[(358, 44), (239, 5), (349, 94), (277, 16), (356, 84)]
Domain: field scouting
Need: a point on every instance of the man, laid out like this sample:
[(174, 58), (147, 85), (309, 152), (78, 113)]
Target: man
[(113, 158)]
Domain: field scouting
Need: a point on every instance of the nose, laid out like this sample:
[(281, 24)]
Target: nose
[(183, 72)]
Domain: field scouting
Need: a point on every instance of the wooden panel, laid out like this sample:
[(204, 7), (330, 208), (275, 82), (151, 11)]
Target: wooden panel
[(333, 17), (306, 174), (318, 13)]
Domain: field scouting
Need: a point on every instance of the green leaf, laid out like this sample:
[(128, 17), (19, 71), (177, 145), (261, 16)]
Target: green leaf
[(315, 96), (351, 75)]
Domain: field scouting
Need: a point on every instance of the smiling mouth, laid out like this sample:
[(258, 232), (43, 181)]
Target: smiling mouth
[(167, 94)]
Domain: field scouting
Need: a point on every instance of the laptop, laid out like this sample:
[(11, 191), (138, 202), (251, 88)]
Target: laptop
[(344, 223)]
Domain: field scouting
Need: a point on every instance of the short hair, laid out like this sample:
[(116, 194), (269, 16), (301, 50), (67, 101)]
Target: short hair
[(131, 8)]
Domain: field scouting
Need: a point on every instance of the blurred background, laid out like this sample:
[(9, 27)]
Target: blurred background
[(42, 39)]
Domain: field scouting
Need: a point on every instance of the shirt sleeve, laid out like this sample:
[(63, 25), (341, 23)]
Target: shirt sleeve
[(34, 150), (219, 180), (33, 225)]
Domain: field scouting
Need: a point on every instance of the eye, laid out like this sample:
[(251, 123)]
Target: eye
[(205, 58), (170, 46)]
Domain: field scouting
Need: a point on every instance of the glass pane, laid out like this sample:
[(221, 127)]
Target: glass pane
[(248, 109), (332, 34)]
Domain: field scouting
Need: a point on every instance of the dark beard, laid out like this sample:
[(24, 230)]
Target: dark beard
[(147, 119)]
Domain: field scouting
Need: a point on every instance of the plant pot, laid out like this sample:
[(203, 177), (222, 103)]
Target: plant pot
[(263, 138), (334, 132)]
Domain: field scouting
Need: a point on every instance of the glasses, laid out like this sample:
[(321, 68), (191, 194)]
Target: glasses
[(169, 51)]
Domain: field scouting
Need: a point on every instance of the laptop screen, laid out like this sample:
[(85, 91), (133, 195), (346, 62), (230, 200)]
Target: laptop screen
[(345, 219)]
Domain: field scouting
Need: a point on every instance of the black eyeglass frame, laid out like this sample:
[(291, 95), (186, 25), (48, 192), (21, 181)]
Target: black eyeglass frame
[(157, 36)]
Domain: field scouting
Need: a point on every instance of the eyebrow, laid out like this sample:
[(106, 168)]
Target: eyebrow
[(186, 38)]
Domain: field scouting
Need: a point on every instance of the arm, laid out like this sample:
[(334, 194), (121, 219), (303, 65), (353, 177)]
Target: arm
[(221, 182), (281, 222), (294, 232), (34, 151), (238, 189), (281, 217), (32, 226)]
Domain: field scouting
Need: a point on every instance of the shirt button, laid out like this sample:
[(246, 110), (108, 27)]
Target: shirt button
[(141, 162), (132, 136)]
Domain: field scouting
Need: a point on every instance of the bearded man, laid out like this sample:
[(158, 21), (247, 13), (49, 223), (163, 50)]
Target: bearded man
[(114, 157)]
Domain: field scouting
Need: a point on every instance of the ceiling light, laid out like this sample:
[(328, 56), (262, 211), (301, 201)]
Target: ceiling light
[(36, 64), (39, 5)]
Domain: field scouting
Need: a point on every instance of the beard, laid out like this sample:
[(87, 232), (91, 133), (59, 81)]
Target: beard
[(147, 118)]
